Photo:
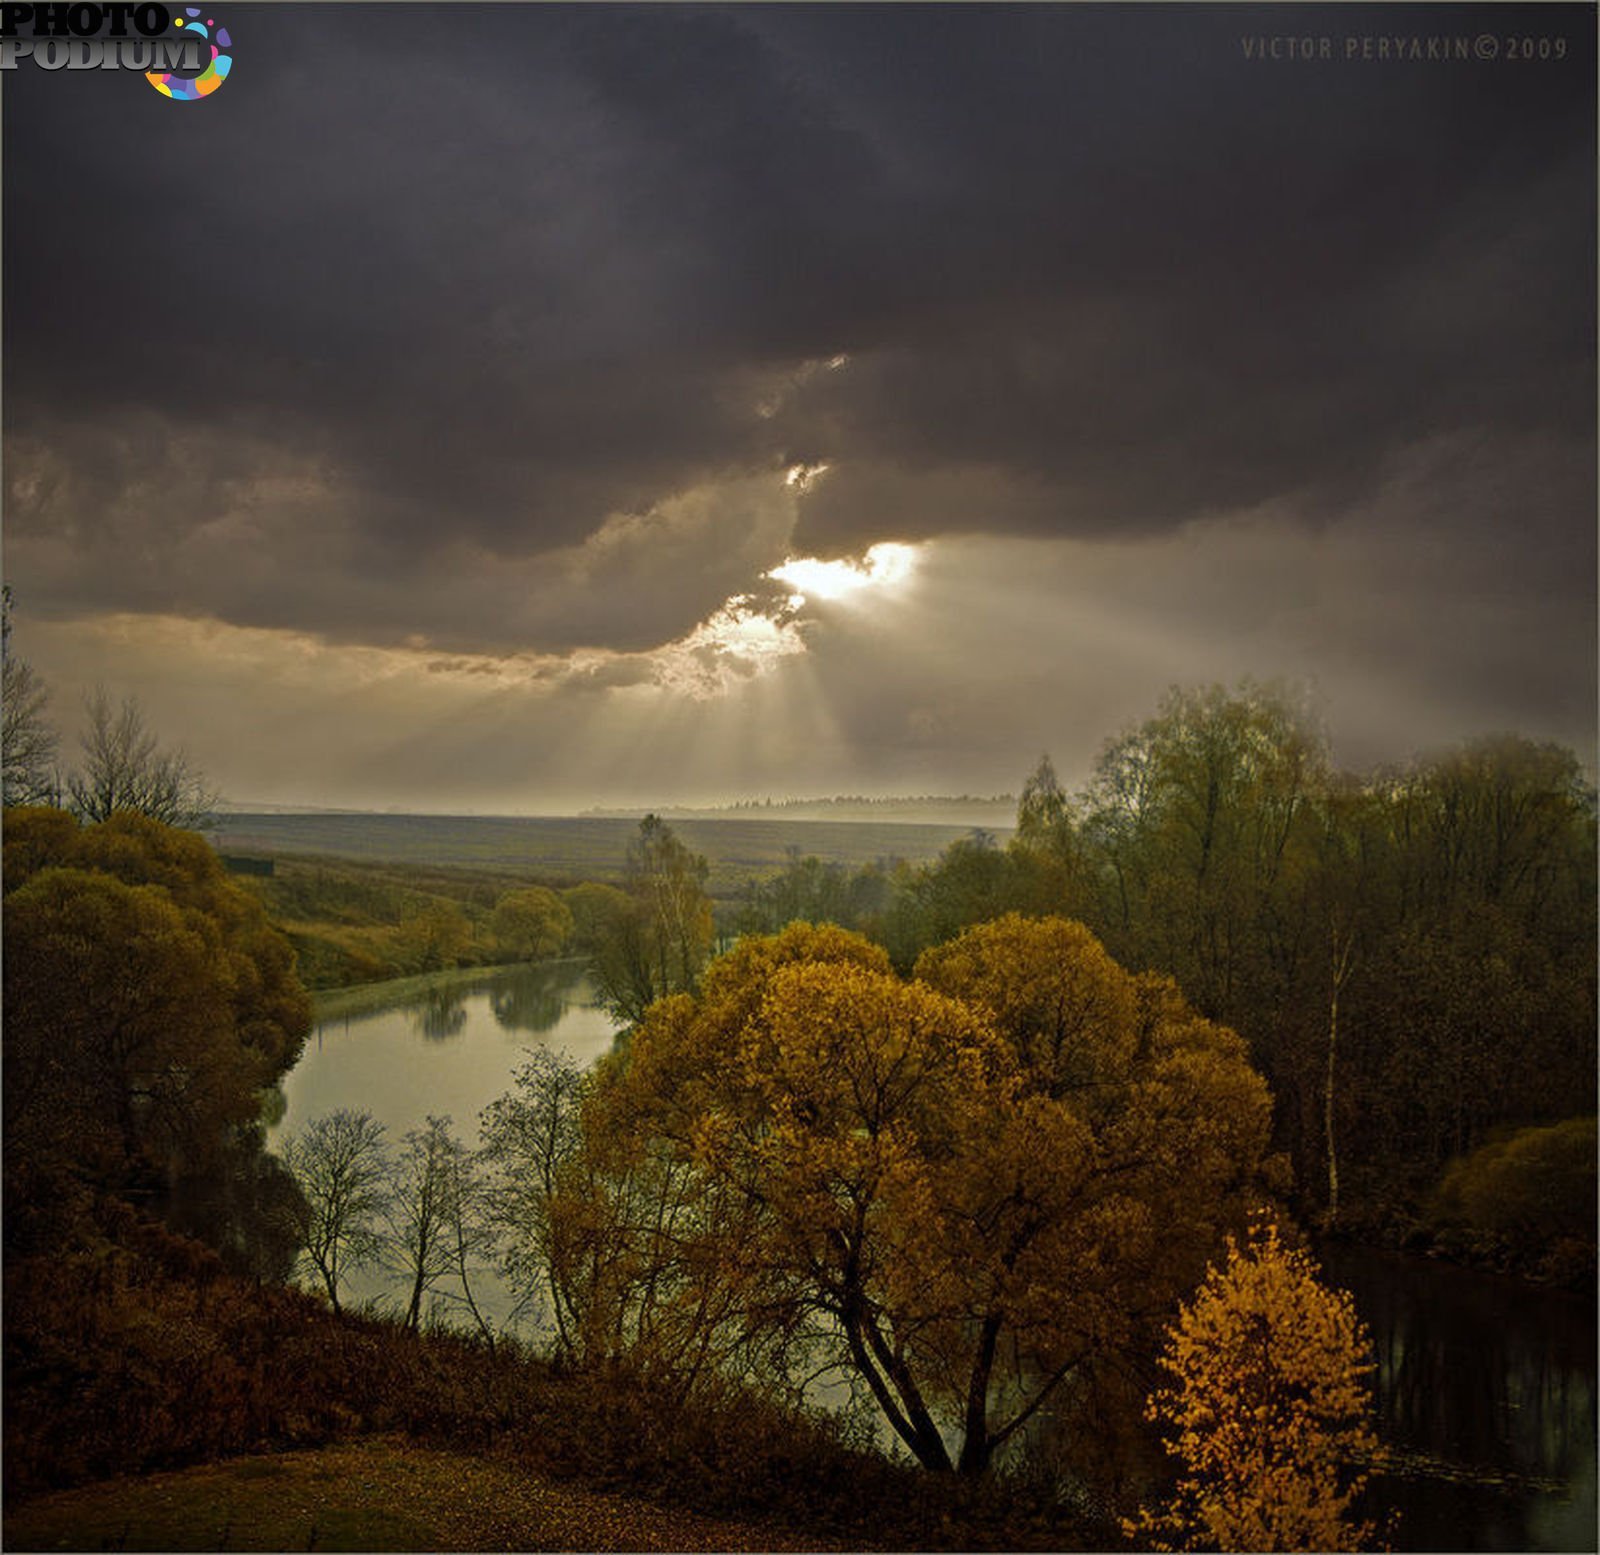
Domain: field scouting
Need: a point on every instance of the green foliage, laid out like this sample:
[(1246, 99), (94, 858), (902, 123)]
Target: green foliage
[(352, 921), (531, 924), (436, 937), (1410, 956), (811, 890), (652, 938)]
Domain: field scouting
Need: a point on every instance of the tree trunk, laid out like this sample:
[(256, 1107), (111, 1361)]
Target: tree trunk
[(1341, 970), (975, 1443)]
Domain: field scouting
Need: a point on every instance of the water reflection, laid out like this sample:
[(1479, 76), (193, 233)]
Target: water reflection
[(446, 1045), (535, 998), (441, 1014), (1486, 1392)]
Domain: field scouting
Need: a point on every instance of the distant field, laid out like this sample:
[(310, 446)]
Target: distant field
[(569, 849)]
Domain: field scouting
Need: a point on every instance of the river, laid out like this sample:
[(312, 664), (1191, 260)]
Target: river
[(1485, 1386), (1486, 1399), (445, 1045)]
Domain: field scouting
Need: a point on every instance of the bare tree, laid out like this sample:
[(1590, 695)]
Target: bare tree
[(471, 1235), (418, 1242), (124, 768), (28, 742), (429, 1215), (530, 1134), (341, 1166)]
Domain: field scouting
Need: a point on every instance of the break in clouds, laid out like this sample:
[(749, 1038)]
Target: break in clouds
[(506, 372)]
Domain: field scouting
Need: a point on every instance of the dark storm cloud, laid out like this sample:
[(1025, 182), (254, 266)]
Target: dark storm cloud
[(427, 294)]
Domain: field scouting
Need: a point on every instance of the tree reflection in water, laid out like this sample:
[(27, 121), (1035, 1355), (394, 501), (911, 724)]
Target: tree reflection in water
[(441, 1013), (534, 998), (1485, 1390)]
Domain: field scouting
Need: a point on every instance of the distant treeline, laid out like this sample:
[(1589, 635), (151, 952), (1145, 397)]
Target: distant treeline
[(1409, 953), (910, 807)]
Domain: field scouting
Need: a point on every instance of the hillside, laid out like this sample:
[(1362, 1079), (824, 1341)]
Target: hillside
[(373, 1493)]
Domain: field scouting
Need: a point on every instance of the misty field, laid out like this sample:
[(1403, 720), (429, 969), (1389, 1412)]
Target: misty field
[(574, 848)]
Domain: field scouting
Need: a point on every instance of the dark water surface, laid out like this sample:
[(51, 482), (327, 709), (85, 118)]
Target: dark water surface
[(1486, 1396)]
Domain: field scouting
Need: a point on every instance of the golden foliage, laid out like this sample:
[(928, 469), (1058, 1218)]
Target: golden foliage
[(1269, 1410), (961, 1188)]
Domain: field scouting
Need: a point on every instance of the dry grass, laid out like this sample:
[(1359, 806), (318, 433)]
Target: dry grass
[(380, 1493)]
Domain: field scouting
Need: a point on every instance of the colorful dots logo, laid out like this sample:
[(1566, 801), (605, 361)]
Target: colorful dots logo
[(190, 89)]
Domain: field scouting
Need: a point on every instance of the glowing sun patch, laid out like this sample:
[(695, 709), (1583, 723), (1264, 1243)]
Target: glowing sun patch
[(884, 566)]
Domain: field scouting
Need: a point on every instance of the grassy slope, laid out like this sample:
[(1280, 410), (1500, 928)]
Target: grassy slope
[(380, 1493)]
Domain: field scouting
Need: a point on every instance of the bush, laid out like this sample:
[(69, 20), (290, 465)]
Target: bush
[(1528, 1199)]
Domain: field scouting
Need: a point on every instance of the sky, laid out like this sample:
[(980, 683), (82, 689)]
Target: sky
[(522, 408)]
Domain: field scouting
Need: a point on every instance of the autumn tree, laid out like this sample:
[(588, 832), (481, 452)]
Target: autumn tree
[(123, 767), (436, 936), (962, 1190), (1268, 1410), (531, 923), (1531, 1193), (117, 1026), (148, 1001), (340, 1161)]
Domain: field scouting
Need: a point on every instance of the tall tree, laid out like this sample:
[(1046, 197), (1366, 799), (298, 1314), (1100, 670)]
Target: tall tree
[(427, 1214), (937, 1185), (653, 938), (148, 1001), (531, 923), (529, 1136), (1050, 848), (668, 881)]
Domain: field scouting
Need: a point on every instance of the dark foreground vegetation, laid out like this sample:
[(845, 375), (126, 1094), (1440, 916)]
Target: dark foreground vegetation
[(382, 1492), (995, 1144), (130, 1349)]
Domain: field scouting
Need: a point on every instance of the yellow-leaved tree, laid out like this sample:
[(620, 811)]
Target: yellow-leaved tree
[(962, 1189), (1269, 1410)]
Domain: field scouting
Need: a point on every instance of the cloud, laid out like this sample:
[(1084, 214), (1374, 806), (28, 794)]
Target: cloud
[(454, 425), (452, 345)]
